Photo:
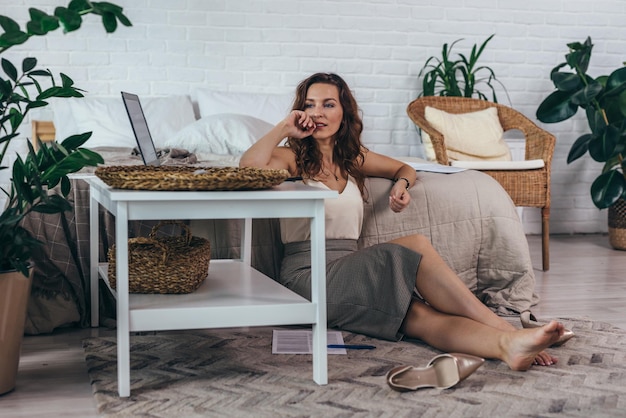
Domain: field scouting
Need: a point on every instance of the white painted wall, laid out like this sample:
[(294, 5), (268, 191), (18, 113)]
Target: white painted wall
[(378, 46)]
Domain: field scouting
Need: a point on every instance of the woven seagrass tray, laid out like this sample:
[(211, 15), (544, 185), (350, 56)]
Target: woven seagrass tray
[(190, 178), (164, 264)]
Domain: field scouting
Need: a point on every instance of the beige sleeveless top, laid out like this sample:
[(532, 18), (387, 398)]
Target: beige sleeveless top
[(344, 216)]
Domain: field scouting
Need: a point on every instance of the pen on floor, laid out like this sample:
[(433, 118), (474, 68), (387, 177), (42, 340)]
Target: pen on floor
[(352, 346)]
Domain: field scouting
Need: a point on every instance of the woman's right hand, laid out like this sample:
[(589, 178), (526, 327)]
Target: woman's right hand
[(298, 124), (265, 153)]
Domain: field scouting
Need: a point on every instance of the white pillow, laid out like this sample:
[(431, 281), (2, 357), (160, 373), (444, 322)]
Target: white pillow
[(468, 136), (106, 117), (224, 134), (271, 108)]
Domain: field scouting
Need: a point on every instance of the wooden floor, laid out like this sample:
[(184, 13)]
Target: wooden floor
[(586, 279)]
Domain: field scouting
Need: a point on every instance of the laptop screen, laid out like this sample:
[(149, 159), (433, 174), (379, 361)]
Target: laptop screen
[(140, 129)]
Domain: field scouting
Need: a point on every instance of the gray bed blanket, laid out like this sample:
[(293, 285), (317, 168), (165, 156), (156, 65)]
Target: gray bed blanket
[(472, 223), (468, 217)]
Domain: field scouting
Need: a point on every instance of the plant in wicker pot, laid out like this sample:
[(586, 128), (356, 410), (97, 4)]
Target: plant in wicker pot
[(39, 181), (604, 101)]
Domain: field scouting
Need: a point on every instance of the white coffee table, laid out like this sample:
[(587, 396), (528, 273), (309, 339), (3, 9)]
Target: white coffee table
[(234, 294)]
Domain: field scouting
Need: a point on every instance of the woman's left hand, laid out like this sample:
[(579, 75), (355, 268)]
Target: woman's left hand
[(399, 197)]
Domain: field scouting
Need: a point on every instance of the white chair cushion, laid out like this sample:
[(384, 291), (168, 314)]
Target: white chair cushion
[(468, 136), (499, 165)]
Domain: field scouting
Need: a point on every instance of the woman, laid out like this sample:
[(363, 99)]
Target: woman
[(388, 290)]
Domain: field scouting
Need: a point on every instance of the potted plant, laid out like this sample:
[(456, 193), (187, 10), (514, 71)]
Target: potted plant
[(39, 181), (603, 99), (460, 77)]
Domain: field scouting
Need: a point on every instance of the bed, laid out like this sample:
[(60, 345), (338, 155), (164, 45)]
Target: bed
[(469, 218)]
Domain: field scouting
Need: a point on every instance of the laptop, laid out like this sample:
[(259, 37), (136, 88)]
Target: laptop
[(140, 129)]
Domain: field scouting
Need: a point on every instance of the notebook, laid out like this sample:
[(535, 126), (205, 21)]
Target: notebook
[(140, 129)]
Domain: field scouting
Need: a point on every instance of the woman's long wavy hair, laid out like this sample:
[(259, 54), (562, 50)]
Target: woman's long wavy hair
[(349, 152)]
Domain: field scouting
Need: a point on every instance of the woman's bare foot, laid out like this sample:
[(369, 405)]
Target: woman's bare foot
[(524, 347), (542, 358)]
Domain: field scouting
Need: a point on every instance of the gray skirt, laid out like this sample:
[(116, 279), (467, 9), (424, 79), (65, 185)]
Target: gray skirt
[(368, 291)]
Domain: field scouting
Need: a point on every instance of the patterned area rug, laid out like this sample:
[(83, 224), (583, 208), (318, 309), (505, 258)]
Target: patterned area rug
[(232, 373)]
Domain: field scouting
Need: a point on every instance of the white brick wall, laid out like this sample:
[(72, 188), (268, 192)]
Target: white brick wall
[(377, 46)]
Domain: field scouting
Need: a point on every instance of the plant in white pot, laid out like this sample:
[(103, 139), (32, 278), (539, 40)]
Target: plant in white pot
[(39, 181), (604, 101)]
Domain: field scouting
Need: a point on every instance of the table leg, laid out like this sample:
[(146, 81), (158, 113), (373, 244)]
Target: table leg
[(246, 241), (94, 240), (318, 294), (123, 315)]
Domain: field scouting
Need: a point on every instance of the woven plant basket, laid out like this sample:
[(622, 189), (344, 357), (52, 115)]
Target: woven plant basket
[(164, 264), (190, 178), (617, 225)]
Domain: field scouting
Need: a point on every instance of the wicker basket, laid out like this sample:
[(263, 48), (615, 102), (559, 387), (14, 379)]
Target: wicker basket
[(617, 225), (190, 178), (164, 264)]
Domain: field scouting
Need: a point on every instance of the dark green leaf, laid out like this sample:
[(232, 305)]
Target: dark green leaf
[(5, 87), (9, 25), (612, 163), (9, 39), (41, 23), (36, 104), (615, 108), (66, 186), (9, 69), (579, 148), (595, 118), (601, 148), (123, 19), (16, 119), (40, 73), (556, 107), (580, 55), (66, 81), (587, 94), (79, 5), (616, 82), (70, 19), (566, 81), (109, 22), (75, 141), (428, 85), (28, 64), (48, 93), (608, 188)]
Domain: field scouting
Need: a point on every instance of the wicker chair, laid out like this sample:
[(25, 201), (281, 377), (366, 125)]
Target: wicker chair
[(530, 188)]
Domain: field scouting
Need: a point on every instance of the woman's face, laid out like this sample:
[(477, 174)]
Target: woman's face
[(323, 106)]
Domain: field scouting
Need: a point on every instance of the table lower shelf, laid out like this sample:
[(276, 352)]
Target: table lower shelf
[(233, 295)]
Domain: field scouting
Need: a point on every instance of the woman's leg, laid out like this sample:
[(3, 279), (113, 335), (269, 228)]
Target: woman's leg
[(442, 289), (451, 333)]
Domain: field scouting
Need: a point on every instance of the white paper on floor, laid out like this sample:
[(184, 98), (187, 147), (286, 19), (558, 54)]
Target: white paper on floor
[(296, 341)]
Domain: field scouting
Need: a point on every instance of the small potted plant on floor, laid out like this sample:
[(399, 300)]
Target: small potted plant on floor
[(39, 181), (603, 99)]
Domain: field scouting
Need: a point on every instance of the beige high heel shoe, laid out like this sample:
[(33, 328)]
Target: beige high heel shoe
[(442, 372), (528, 320)]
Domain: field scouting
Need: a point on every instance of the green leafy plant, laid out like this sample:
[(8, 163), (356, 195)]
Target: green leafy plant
[(460, 77), (604, 101), (40, 182)]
